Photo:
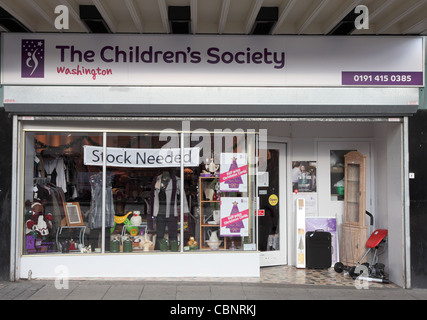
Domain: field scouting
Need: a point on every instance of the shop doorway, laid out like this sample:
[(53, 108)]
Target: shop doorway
[(272, 207)]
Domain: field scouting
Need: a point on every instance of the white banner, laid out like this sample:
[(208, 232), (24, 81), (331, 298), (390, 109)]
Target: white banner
[(180, 60), (141, 158)]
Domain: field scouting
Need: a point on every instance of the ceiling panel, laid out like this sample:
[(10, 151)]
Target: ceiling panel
[(226, 16)]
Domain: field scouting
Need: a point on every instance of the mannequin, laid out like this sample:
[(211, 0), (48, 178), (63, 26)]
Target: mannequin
[(164, 207)]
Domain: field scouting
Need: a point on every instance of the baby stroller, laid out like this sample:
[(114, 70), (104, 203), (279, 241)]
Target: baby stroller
[(365, 271)]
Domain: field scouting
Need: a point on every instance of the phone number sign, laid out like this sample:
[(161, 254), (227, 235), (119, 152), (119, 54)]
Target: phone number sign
[(361, 78)]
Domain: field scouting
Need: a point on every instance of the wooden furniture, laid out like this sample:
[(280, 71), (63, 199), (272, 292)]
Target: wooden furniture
[(207, 205), (354, 229)]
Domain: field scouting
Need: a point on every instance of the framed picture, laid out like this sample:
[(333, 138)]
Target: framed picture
[(73, 214)]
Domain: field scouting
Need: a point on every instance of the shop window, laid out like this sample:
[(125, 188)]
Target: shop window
[(145, 192), (57, 191), (337, 174), (150, 206)]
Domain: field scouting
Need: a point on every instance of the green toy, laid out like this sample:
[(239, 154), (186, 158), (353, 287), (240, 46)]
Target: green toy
[(124, 220)]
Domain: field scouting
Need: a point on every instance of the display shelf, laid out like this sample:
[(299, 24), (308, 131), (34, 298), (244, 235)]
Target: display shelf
[(207, 208), (80, 237)]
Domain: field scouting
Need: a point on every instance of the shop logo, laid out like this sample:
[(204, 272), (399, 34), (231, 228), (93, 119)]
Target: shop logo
[(32, 58)]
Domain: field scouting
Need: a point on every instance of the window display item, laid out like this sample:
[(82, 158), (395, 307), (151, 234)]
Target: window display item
[(146, 243), (136, 219), (40, 223), (192, 243), (213, 241), (318, 249), (115, 245), (73, 214), (127, 245), (95, 213), (164, 207), (211, 167)]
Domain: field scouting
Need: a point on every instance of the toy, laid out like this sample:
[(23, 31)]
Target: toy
[(124, 220), (136, 219), (40, 223), (192, 243), (72, 245)]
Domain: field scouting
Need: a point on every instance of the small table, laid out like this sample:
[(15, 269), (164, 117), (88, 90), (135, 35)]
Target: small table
[(81, 238)]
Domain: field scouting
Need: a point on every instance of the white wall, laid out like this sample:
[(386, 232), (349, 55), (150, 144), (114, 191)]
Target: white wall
[(199, 264)]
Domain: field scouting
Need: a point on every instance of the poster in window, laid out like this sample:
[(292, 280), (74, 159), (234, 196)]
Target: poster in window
[(304, 176), (234, 172), (234, 216)]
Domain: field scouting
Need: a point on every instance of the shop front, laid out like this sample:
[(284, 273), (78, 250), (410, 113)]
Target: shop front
[(161, 156)]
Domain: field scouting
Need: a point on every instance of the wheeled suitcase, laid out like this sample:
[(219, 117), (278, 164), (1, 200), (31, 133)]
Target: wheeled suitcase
[(318, 249)]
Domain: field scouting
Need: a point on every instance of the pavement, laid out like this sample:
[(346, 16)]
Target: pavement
[(176, 290)]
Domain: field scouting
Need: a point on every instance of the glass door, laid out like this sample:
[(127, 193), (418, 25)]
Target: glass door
[(272, 207)]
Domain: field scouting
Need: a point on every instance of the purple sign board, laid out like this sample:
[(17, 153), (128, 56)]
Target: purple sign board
[(360, 78)]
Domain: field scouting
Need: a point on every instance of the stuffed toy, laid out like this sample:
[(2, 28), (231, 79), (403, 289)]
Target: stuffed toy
[(40, 223)]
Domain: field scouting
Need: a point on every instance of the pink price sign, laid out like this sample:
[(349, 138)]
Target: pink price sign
[(233, 173), (236, 217)]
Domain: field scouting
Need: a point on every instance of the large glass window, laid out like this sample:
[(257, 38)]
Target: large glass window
[(58, 192), (153, 191)]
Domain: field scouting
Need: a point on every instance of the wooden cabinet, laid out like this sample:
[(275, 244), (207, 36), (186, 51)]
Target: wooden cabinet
[(209, 202), (354, 229), (353, 244)]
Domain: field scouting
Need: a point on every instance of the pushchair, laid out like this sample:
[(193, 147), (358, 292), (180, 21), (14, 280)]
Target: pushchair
[(365, 271)]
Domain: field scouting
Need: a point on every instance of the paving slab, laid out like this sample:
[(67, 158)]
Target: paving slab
[(161, 291), (88, 291), (228, 292), (193, 292), (124, 292)]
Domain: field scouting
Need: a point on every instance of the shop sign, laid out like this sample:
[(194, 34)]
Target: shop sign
[(141, 158), (140, 60)]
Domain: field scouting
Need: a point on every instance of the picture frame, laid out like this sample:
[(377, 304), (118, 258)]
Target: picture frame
[(73, 214)]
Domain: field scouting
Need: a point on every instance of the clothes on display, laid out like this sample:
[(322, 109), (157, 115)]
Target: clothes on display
[(61, 172), (164, 203), (95, 212), (57, 171)]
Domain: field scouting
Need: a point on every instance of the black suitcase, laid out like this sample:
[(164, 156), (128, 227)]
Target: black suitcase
[(318, 246)]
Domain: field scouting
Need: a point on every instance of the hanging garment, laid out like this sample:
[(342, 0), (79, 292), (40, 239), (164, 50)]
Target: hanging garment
[(56, 169), (95, 213), (170, 197)]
